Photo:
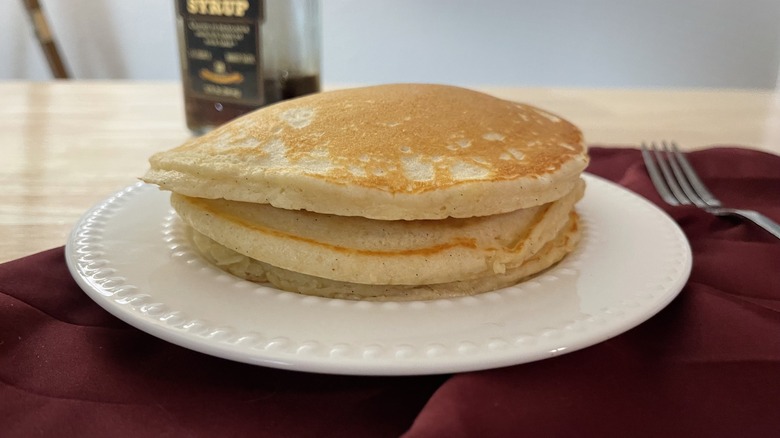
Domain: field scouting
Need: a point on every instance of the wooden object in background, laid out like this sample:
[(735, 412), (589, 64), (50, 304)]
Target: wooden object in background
[(46, 39)]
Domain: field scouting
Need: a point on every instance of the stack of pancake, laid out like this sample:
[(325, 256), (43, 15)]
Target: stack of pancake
[(390, 192)]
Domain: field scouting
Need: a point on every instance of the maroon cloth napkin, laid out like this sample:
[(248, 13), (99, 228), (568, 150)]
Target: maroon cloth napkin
[(707, 365)]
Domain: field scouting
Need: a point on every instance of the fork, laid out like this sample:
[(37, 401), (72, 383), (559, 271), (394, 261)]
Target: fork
[(678, 184)]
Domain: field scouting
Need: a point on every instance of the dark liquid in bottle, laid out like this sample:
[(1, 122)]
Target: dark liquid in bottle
[(206, 114)]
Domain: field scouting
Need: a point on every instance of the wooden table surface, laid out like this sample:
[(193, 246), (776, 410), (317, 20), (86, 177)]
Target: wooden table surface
[(67, 145)]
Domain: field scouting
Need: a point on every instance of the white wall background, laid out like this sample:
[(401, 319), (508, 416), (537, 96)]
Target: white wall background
[(581, 43)]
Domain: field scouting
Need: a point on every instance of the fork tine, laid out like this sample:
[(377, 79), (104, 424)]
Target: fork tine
[(680, 177), (669, 177), (698, 186), (656, 178), (684, 175)]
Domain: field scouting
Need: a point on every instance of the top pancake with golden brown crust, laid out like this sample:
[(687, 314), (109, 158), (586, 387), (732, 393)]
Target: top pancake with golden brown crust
[(399, 151)]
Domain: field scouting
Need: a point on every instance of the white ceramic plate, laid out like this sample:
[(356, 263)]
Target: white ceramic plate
[(129, 255)]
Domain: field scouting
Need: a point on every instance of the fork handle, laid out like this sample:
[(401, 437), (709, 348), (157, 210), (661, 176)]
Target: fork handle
[(761, 220)]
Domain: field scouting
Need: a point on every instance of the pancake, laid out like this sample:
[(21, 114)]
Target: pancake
[(254, 270), (370, 251), (391, 192), (389, 152)]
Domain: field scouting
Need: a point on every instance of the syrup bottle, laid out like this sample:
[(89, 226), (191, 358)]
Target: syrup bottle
[(239, 55)]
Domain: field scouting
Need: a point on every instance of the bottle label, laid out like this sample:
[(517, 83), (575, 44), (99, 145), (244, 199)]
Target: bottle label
[(221, 40)]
